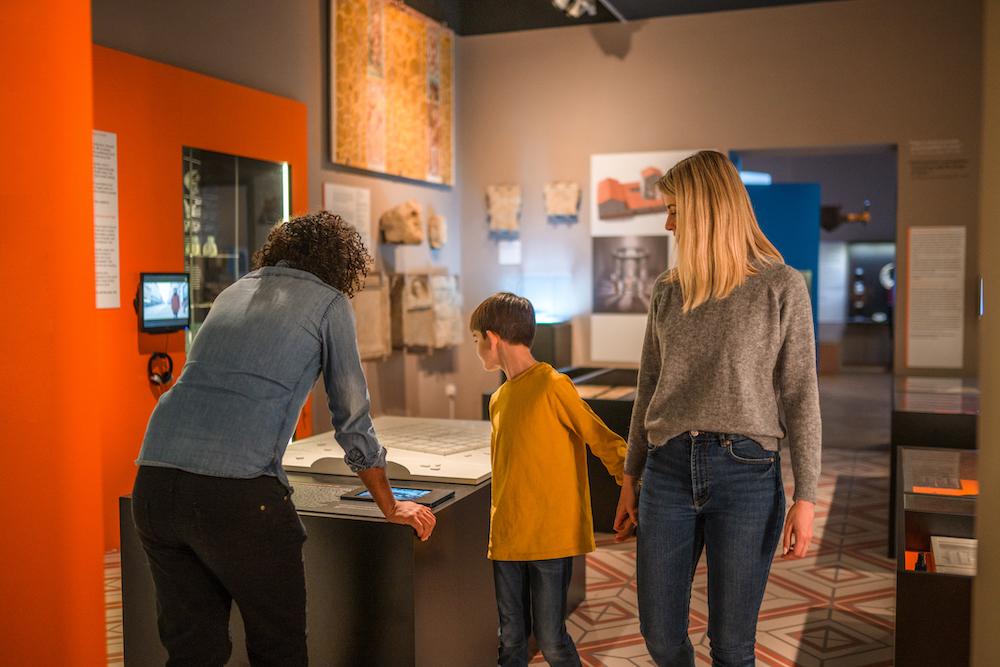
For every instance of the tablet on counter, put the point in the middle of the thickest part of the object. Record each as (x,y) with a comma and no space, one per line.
(427,497)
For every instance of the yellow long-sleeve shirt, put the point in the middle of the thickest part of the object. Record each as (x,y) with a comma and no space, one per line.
(541,495)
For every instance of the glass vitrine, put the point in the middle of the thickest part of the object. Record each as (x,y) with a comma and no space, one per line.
(230,205)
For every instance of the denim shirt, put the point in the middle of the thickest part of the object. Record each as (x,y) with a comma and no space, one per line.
(248,374)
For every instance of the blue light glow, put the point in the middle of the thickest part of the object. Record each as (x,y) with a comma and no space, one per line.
(755,178)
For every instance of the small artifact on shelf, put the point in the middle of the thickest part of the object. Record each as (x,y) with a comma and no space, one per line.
(210,248)
(954,555)
(402,224)
(437,231)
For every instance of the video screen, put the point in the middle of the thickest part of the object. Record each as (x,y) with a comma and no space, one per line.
(165,302)
(400,494)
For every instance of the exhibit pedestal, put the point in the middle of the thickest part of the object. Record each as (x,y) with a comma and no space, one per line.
(377,595)
(936,493)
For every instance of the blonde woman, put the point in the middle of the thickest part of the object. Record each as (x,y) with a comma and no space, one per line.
(729,344)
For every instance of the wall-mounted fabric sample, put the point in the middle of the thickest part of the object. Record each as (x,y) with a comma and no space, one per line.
(562,202)
(504,205)
(437,231)
(393,99)
(402,224)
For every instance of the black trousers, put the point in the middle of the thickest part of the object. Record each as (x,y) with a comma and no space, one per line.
(210,541)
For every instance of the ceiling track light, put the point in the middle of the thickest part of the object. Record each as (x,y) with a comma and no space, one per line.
(576,8)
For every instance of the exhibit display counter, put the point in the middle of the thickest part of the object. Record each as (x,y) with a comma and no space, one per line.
(936,500)
(377,595)
(929,412)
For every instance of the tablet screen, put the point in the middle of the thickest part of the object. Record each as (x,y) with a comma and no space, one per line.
(399,493)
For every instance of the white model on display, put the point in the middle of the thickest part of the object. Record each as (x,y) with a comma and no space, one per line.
(432,450)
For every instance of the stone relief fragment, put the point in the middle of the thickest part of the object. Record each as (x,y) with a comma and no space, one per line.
(412,305)
(371,310)
(562,202)
(449,325)
(402,224)
(504,205)
(426,310)
(437,231)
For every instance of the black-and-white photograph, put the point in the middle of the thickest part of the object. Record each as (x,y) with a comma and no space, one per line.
(625,269)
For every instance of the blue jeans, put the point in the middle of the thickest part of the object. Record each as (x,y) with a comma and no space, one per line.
(723,493)
(531,594)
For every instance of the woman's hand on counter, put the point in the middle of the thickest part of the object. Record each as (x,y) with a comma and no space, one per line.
(397,511)
(412,514)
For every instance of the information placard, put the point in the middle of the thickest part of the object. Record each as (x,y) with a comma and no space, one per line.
(106,263)
(935,312)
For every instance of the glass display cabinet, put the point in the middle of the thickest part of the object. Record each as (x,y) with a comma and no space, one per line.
(230,205)
(936,499)
(929,412)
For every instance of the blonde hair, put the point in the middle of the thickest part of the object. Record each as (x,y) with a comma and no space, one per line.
(719,242)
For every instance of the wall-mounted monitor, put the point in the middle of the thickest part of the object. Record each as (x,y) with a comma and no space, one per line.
(162,302)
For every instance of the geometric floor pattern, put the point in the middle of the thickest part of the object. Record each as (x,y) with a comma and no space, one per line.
(834,608)
(113,609)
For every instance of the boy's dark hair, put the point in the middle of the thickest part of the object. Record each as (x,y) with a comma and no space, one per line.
(322,244)
(509,316)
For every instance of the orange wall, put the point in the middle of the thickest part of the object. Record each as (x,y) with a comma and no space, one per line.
(156,109)
(51,580)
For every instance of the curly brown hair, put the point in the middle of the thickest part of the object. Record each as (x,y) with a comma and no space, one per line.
(322,244)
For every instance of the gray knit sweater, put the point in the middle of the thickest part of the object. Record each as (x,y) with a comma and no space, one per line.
(725,366)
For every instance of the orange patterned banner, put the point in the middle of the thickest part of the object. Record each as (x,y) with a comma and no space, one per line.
(392,90)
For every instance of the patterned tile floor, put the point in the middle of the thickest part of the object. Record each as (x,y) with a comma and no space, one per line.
(835,608)
(113,608)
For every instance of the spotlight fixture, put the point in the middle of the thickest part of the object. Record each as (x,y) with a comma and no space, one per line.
(576,8)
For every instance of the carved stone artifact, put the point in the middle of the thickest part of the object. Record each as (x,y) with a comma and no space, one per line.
(426,311)
(402,224)
(449,327)
(371,308)
(437,231)
(562,201)
(504,205)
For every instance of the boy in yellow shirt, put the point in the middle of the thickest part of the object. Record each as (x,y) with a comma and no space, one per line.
(540,511)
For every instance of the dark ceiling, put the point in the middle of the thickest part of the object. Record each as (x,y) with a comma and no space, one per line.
(481,17)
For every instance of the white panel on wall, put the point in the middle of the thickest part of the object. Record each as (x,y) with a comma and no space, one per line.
(833,269)
(616,338)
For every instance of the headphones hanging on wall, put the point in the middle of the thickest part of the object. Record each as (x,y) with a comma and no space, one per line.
(164,377)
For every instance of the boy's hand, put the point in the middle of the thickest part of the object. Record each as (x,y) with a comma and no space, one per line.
(627,515)
(412,514)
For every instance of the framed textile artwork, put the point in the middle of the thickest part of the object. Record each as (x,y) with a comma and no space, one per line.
(391,90)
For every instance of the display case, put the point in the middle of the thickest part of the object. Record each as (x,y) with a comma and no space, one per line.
(930,412)
(230,205)
(936,498)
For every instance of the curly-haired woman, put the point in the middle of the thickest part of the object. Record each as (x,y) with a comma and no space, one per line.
(211,502)
(729,338)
